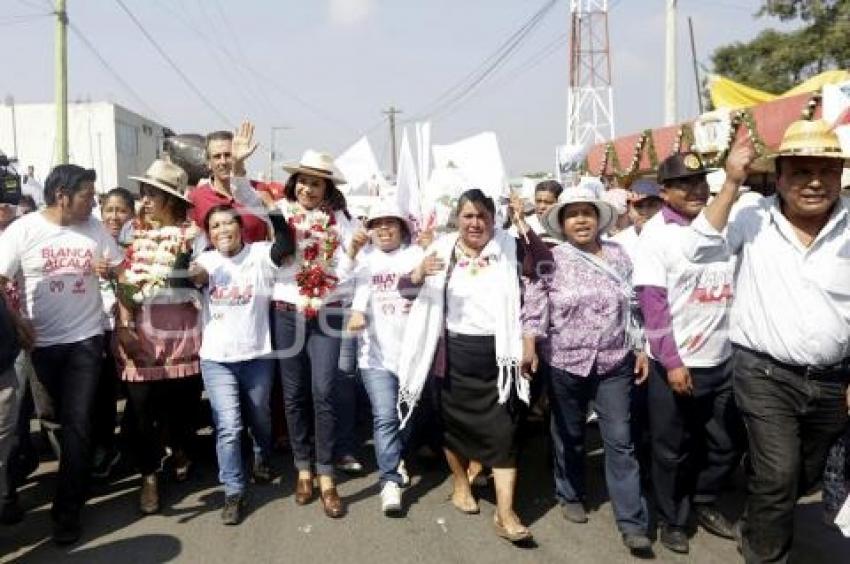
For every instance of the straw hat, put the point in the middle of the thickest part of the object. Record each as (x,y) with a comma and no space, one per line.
(804,138)
(577,195)
(166,176)
(317,164)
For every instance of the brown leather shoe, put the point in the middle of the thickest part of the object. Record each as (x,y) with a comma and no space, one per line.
(332,503)
(304,491)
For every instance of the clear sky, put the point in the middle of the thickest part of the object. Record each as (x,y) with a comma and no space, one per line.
(327,68)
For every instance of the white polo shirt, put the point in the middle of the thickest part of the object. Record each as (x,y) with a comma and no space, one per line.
(792,302)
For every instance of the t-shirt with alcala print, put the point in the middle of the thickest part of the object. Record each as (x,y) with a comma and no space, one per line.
(61,292)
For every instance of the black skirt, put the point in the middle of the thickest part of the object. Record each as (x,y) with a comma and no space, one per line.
(475,425)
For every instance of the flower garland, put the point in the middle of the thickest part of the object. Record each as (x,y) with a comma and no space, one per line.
(151,257)
(316,243)
(474,264)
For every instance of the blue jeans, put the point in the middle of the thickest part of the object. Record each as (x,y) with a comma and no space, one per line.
(382,387)
(612,396)
(309,371)
(230,387)
(346,398)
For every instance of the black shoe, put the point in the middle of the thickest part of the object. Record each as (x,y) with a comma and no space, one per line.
(573,511)
(261,473)
(637,543)
(674,539)
(66,531)
(712,520)
(232,512)
(11,513)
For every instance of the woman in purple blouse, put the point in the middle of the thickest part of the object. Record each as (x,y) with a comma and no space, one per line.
(579,313)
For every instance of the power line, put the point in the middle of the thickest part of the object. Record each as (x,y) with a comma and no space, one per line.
(174,65)
(466,85)
(130,90)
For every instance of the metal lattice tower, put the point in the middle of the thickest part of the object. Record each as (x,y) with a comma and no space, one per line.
(590,103)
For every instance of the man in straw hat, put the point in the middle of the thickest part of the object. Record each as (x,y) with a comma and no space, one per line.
(790,321)
(696,434)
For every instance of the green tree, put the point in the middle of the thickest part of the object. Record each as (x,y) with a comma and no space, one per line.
(776,61)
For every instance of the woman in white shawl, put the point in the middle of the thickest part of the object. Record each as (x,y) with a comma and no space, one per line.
(464,328)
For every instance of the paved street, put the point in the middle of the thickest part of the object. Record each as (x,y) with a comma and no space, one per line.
(276,530)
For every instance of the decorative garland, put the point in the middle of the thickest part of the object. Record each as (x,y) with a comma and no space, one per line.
(152,257)
(684,140)
(316,243)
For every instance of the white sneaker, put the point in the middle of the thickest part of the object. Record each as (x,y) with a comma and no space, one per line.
(405,477)
(390,498)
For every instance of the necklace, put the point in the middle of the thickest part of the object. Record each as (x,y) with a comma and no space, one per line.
(464,261)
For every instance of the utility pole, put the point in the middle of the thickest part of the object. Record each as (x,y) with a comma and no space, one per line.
(696,67)
(61,83)
(273,146)
(391,113)
(670,66)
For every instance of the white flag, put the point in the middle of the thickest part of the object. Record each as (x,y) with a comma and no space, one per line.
(407,182)
(360,168)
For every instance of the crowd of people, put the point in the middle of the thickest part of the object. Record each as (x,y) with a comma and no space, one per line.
(702,334)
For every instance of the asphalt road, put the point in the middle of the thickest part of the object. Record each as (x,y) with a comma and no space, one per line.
(276,530)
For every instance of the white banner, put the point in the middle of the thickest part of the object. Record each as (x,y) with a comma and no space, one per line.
(362,174)
(568,161)
(479,160)
(836,100)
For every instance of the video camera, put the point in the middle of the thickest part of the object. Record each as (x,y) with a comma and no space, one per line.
(10,182)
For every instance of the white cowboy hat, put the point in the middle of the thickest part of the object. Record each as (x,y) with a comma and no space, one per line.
(389,209)
(166,176)
(318,164)
(577,195)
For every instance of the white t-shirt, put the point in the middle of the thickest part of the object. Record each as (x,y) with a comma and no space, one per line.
(471,290)
(628,238)
(61,289)
(376,294)
(699,295)
(236,304)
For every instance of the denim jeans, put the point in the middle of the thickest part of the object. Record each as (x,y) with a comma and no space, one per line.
(237,391)
(697,440)
(382,387)
(66,377)
(612,396)
(308,361)
(791,422)
(346,398)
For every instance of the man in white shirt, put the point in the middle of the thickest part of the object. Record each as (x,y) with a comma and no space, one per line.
(60,252)
(644,201)
(790,321)
(696,433)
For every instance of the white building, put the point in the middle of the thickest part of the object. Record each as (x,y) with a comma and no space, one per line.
(104,136)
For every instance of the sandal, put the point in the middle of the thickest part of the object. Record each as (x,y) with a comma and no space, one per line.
(521,536)
(469,510)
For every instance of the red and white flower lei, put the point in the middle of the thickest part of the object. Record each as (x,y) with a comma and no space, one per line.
(316,241)
(150,257)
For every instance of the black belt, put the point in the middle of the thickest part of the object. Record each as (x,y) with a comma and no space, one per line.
(838,372)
